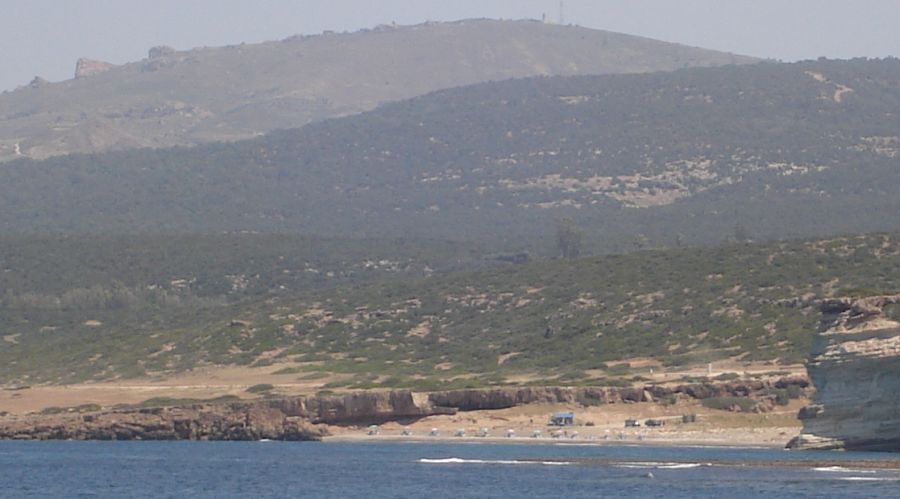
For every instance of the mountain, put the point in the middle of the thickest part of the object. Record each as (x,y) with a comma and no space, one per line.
(565,321)
(692,156)
(216,94)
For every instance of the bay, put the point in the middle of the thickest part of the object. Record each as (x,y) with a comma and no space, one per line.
(439,469)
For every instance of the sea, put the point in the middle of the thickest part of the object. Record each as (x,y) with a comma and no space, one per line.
(428,470)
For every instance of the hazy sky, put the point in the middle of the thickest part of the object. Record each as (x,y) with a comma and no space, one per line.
(45,37)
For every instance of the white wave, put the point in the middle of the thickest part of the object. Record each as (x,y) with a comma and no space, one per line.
(866,479)
(841,469)
(457,460)
(658,465)
(681,466)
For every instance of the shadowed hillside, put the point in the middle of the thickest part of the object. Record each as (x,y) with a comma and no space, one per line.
(693,156)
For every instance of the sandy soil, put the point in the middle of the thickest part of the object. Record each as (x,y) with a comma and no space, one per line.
(200,384)
(712,427)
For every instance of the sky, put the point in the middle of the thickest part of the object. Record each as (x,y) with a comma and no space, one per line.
(45,37)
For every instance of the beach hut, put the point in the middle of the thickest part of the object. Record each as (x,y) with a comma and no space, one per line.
(373,429)
(562,419)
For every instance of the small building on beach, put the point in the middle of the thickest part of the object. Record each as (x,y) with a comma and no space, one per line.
(562,419)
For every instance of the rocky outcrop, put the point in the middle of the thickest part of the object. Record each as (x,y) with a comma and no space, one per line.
(502,398)
(233,421)
(372,408)
(37,82)
(855,367)
(86,67)
(160,51)
(160,57)
(290,418)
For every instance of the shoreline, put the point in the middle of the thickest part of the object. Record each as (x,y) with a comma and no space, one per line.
(580,442)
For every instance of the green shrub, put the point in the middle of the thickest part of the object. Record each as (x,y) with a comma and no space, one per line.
(669,400)
(782,396)
(619,369)
(744,404)
(170,401)
(290,370)
(260,388)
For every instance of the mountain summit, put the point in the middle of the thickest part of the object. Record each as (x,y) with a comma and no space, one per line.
(229,93)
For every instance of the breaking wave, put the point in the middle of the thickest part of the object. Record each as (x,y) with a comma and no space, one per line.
(458,460)
(865,479)
(841,469)
(663,466)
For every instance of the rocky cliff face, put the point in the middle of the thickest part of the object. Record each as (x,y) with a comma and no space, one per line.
(238,421)
(372,407)
(294,418)
(855,367)
(501,398)
(86,67)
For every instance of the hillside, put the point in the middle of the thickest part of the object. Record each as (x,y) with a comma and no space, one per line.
(692,156)
(89,272)
(568,321)
(229,93)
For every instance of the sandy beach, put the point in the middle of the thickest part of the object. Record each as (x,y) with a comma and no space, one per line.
(597,425)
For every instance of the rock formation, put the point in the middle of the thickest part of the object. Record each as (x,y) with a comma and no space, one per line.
(291,418)
(501,398)
(372,408)
(855,367)
(234,421)
(37,82)
(160,51)
(87,67)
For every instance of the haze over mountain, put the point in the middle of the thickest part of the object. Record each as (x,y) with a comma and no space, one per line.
(693,156)
(398,233)
(215,94)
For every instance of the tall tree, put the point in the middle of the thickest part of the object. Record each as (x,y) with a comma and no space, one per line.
(569,238)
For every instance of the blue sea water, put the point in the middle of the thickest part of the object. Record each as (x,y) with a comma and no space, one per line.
(331,470)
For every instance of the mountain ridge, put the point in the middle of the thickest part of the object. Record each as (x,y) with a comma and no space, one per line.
(238,91)
(694,156)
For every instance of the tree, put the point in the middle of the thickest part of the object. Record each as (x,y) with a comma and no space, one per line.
(569,238)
